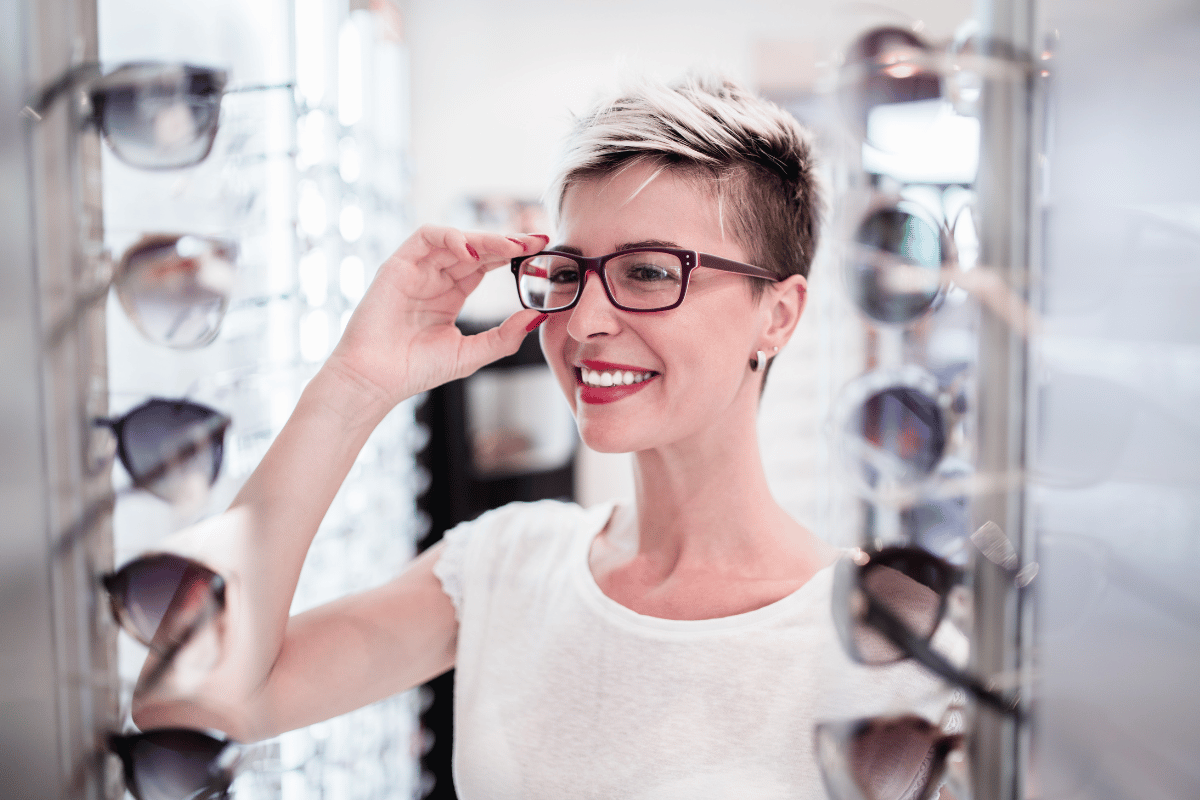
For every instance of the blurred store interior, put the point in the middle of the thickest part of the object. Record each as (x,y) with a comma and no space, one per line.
(1054,334)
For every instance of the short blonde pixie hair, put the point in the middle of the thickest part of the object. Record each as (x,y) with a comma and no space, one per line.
(753,155)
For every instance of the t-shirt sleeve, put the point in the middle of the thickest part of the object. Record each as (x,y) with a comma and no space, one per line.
(452,564)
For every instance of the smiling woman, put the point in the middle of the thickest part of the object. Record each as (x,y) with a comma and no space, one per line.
(677,644)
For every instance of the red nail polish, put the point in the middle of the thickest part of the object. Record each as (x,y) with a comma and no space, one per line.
(517,241)
(538,320)
(472,251)
(541,236)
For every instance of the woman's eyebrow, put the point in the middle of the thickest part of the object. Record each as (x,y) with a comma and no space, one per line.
(646,243)
(566,248)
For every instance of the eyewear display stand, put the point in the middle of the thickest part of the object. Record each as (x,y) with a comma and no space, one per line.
(1001,632)
(58,649)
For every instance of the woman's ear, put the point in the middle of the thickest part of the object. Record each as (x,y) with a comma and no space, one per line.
(785,303)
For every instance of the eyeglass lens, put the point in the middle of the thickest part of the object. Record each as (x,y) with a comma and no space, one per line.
(895,274)
(161,599)
(172,448)
(643,280)
(157,116)
(171,764)
(176,288)
(904,432)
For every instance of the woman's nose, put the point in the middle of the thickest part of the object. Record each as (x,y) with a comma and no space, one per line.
(593,315)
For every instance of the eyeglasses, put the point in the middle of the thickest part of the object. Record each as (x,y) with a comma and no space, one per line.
(177,763)
(153,115)
(175,288)
(884,758)
(639,279)
(887,605)
(171,448)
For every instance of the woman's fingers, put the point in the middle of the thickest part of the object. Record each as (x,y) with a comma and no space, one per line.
(503,340)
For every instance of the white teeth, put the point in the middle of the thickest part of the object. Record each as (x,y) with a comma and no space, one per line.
(616,378)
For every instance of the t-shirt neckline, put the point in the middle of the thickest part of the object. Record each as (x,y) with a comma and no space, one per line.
(610,609)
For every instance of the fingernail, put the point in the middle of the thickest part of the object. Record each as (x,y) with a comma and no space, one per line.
(517,241)
(471,250)
(542,236)
(538,320)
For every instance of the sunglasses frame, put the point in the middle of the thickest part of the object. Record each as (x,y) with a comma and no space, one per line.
(227,754)
(853,605)
(861,260)
(95,83)
(688,259)
(116,584)
(215,426)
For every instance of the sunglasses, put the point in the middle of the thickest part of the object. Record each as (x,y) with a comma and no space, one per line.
(170,448)
(153,115)
(177,763)
(162,599)
(893,73)
(884,758)
(887,605)
(895,273)
(896,427)
(175,289)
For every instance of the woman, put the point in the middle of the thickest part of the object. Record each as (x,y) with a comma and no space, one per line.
(676,646)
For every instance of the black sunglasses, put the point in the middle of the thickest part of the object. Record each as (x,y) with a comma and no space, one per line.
(884,758)
(639,279)
(170,448)
(177,763)
(163,598)
(887,605)
(154,115)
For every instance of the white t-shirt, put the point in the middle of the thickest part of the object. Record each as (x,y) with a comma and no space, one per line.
(561,692)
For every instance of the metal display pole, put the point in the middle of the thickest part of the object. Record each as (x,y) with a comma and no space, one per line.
(57,665)
(1004,191)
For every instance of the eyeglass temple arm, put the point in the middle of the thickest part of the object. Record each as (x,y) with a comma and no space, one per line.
(878,617)
(724,264)
(72,76)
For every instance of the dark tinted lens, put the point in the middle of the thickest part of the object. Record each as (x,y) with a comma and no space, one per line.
(172,448)
(895,273)
(160,116)
(174,764)
(899,758)
(176,288)
(903,433)
(162,599)
(548,282)
(909,584)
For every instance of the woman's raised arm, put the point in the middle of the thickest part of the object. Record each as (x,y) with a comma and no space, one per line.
(270,673)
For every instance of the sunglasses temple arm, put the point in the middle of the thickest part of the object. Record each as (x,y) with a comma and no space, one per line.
(914,646)
(71,321)
(261,87)
(38,104)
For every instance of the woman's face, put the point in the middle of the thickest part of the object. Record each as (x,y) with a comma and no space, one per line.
(694,358)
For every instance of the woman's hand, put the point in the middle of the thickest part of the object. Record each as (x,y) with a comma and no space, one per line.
(402,340)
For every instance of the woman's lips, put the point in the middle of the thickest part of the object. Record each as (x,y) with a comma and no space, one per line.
(626,380)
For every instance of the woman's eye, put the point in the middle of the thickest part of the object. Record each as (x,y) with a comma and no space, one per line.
(648,273)
(565,275)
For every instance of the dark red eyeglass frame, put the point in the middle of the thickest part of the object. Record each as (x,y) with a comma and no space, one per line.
(688,259)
